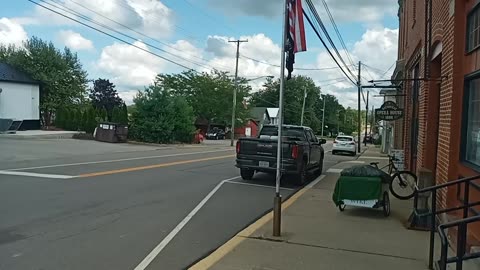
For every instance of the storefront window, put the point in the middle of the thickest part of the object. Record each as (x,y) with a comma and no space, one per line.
(472,144)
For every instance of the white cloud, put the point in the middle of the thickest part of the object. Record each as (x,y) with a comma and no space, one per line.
(128,95)
(129,66)
(259,47)
(133,69)
(75,41)
(11,32)
(342,10)
(151,17)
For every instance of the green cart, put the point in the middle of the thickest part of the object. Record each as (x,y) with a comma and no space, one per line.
(362,191)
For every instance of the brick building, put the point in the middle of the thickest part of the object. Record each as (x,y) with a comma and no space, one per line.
(438,69)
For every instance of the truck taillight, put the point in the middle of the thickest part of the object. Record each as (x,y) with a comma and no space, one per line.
(352,143)
(238,147)
(295,151)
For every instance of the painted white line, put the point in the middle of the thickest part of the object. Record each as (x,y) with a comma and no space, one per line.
(355,161)
(334,170)
(118,160)
(38,175)
(154,253)
(314,182)
(255,185)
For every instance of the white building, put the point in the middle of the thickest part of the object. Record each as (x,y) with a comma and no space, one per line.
(19,97)
(273,113)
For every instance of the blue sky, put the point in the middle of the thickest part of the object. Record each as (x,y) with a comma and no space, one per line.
(199,30)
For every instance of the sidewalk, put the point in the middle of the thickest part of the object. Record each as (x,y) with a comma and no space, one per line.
(316,235)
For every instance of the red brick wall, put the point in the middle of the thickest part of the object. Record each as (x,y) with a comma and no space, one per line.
(449,28)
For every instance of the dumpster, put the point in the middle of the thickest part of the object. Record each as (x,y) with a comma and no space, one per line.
(111,132)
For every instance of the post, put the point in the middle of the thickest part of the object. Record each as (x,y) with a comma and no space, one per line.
(234,105)
(303,107)
(366,119)
(323,114)
(372,122)
(277,202)
(359,85)
(338,123)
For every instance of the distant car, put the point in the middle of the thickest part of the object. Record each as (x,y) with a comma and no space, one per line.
(215,134)
(344,144)
(368,139)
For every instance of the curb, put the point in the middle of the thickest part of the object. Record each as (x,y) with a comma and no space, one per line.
(226,248)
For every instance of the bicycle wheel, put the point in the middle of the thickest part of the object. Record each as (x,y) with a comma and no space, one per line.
(403,185)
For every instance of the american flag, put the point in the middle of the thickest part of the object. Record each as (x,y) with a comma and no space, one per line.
(295,33)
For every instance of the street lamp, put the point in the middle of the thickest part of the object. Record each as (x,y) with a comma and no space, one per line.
(234,105)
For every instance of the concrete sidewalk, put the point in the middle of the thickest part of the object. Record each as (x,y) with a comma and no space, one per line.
(316,235)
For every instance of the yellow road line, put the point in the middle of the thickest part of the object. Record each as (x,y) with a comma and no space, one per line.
(133,169)
(222,251)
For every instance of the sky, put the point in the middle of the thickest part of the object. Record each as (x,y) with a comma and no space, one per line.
(195,34)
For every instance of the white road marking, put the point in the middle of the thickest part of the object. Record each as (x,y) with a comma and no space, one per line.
(314,182)
(334,170)
(154,253)
(39,175)
(355,161)
(255,185)
(118,160)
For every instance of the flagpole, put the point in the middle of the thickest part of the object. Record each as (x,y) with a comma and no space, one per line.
(277,203)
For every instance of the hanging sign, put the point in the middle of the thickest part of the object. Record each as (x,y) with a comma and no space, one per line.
(389,111)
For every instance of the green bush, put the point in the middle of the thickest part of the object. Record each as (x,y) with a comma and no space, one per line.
(60,118)
(161,118)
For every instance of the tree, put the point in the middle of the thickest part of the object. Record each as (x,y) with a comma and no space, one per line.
(60,72)
(90,120)
(104,96)
(209,94)
(293,96)
(124,114)
(161,117)
(60,118)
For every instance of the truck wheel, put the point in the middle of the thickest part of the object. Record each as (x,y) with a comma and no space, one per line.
(247,174)
(301,177)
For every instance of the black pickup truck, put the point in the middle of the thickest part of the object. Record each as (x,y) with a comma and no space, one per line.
(302,152)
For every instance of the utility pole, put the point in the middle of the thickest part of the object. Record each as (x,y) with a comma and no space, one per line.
(303,107)
(234,105)
(372,122)
(366,119)
(323,114)
(359,85)
(338,123)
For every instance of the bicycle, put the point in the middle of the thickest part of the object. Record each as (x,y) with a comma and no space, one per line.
(403,183)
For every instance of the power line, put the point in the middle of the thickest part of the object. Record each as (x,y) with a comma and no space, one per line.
(129,28)
(112,36)
(274,65)
(327,35)
(75,13)
(326,47)
(385,73)
(190,34)
(338,32)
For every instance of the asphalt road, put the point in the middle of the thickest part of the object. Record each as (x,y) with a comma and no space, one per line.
(110,208)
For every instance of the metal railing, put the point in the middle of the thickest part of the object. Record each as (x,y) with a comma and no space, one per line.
(466,206)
